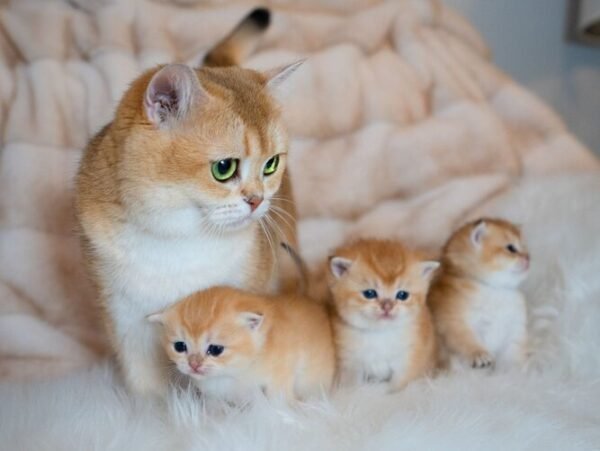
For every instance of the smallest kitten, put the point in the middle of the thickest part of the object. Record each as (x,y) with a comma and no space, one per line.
(233,343)
(478,310)
(383,328)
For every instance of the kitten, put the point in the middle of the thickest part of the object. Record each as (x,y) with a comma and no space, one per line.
(383,328)
(232,342)
(176,195)
(478,310)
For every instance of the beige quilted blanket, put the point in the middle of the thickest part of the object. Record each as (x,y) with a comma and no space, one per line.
(401,125)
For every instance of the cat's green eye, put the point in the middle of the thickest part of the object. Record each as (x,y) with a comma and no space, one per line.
(271,165)
(223,170)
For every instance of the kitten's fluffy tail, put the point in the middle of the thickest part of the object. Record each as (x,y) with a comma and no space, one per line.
(241,42)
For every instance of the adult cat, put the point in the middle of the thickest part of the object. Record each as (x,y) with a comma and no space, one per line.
(176,194)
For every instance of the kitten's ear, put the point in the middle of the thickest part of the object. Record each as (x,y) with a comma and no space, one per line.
(251,320)
(156,317)
(276,76)
(478,232)
(428,268)
(339,266)
(171,93)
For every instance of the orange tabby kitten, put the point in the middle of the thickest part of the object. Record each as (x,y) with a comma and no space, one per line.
(175,194)
(232,342)
(383,328)
(478,310)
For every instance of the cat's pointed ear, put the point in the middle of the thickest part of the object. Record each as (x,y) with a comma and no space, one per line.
(278,75)
(157,317)
(428,268)
(171,93)
(339,266)
(478,232)
(252,320)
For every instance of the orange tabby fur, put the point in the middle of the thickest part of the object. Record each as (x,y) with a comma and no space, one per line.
(157,225)
(479,312)
(398,346)
(281,344)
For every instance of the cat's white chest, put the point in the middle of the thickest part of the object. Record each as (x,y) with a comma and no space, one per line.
(375,355)
(147,273)
(497,317)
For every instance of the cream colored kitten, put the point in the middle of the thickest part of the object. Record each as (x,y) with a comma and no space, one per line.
(175,195)
(479,312)
(383,328)
(233,343)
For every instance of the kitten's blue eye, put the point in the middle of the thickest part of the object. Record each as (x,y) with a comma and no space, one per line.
(369,294)
(512,249)
(402,295)
(180,346)
(215,350)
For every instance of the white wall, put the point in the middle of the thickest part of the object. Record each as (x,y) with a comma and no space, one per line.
(527,39)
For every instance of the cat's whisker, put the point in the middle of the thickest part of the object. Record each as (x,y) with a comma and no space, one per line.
(268,236)
(275,228)
(279,231)
(283,219)
(285,215)
(283,199)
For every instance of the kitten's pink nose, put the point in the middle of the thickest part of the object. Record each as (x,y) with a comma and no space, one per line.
(195,362)
(254,201)
(387,306)
(526,261)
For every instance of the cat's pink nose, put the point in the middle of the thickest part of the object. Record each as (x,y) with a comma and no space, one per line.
(254,201)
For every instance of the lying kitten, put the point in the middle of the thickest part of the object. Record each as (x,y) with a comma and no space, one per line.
(185,189)
(383,328)
(478,310)
(231,342)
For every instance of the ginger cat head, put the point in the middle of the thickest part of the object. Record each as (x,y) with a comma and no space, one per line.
(199,149)
(215,332)
(489,250)
(375,283)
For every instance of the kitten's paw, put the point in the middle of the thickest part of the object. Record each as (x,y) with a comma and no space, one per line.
(482,360)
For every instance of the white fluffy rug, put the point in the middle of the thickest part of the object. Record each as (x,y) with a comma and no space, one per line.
(553,405)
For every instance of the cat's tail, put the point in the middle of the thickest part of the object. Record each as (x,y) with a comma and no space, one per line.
(241,42)
(300,265)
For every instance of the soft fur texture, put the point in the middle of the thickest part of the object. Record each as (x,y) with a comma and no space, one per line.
(424,134)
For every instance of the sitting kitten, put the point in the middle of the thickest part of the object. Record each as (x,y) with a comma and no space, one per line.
(383,328)
(478,310)
(231,342)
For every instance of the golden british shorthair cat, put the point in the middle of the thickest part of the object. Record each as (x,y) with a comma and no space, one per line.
(185,189)
(233,343)
(479,312)
(383,327)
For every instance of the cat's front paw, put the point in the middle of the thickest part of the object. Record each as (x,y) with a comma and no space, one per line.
(482,360)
